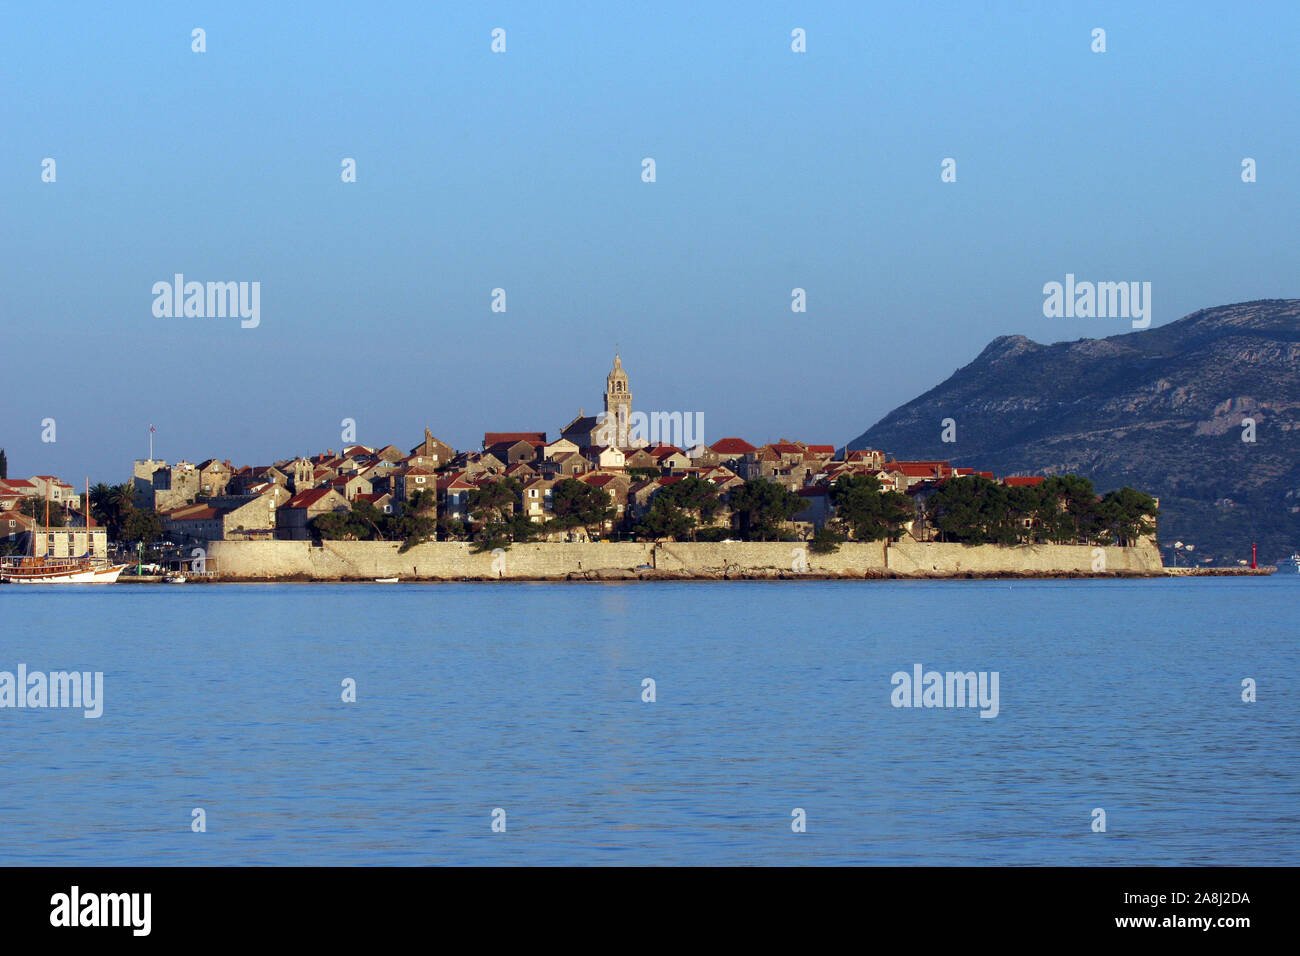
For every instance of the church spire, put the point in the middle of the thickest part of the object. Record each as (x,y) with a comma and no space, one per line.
(618,402)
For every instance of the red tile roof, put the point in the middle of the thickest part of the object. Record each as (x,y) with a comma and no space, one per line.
(731,446)
(197,512)
(305,499)
(1023,481)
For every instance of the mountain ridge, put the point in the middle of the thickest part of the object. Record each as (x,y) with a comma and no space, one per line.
(1159,409)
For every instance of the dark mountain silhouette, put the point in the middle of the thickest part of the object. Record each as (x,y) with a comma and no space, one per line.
(1161,410)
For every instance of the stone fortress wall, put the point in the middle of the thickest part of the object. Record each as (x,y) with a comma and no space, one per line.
(448,560)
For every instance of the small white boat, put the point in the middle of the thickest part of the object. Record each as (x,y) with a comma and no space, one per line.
(385,580)
(175,579)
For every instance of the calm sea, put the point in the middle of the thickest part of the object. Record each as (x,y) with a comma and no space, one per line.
(770,696)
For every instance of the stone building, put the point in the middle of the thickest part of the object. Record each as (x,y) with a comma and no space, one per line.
(162,487)
(293,519)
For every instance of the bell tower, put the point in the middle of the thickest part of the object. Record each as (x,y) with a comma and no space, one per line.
(618,402)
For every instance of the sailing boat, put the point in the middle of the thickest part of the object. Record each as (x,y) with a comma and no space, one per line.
(43,569)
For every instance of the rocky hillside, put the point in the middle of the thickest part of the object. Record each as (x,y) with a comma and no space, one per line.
(1161,410)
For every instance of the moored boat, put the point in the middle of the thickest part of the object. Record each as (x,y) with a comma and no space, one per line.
(34,568)
(42,570)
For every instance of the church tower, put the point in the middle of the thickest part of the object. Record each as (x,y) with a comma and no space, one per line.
(618,402)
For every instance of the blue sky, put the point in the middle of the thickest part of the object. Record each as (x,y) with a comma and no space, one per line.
(522,170)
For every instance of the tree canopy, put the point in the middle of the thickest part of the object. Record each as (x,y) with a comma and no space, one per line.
(761,507)
(866,512)
(576,504)
(1063,509)
(680,509)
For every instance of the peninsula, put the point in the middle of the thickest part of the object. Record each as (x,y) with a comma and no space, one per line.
(615,496)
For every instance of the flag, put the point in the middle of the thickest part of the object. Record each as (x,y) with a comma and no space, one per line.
(152,429)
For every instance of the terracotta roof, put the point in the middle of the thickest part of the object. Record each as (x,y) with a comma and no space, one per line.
(197,512)
(1023,481)
(305,499)
(455,480)
(914,469)
(731,446)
